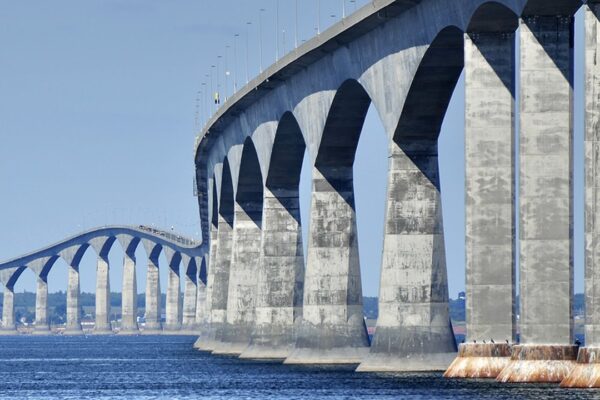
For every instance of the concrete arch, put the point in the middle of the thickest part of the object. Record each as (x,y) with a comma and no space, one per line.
(493,16)
(287,155)
(432,88)
(249,193)
(343,126)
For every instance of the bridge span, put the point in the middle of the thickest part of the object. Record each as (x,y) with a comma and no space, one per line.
(177,249)
(266,299)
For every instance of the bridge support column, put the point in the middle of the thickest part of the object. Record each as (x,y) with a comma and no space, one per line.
(173,306)
(153,296)
(280,277)
(490,265)
(207,333)
(189,299)
(587,372)
(201,298)
(102,297)
(42,325)
(129,295)
(546,203)
(217,283)
(73,326)
(413,331)
(242,280)
(332,329)
(8,312)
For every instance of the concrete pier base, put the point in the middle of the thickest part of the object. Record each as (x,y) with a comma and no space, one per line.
(539,364)
(41,330)
(339,355)
(229,349)
(485,360)
(586,373)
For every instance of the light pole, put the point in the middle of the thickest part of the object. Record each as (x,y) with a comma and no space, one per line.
(218,80)
(227,47)
(247,51)
(318,17)
(204,108)
(260,38)
(296,25)
(235,37)
(343,9)
(276,30)
(212,90)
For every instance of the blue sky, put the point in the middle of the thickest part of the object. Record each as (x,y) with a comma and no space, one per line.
(97,121)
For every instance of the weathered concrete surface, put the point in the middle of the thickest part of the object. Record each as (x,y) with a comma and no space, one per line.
(280,278)
(587,372)
(479,360)
(539,364)
(546,202)
(242,283)
(332,329)
(207,331)
(42,325)
(102,297)
(413,332)
(153,297)
(8,311)
(188,319)
(490,191)
(489,143)
(129,295)
(173,305)
(201,297)
(73,326)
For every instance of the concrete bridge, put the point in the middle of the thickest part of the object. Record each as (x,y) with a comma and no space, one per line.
(178,251)
(266,299)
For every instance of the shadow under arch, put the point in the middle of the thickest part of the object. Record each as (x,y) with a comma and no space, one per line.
(249,194)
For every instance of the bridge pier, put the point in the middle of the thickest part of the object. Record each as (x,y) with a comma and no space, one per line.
(129,325)
(173,305)
(490,230)
(73,326)
(201,298)
(332,329)
(280,277)
(546,353)
(8,311)
(413,331)
(586,373)
(242,282)
(189,295)
(42,325)
(102,325)
(153,296)
(205,341)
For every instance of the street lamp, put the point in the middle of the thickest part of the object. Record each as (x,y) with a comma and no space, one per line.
(235,37)
(260,38)
(248,51)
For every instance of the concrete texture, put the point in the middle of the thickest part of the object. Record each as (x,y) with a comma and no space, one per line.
(332,329)
(8,310)
(41,306)
(129,323)
(413,331)
(102,297)
(188,318)
(546,203)
(173,305)
(539,364)
(586,373)
(153,297)
(490,187)
(546,181)
(479,360)
(73,326)
(201,297)
(207,331)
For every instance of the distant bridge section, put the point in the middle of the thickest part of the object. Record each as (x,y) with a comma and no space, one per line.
(178,250)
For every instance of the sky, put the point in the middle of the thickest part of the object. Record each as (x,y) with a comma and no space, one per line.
(99,113)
